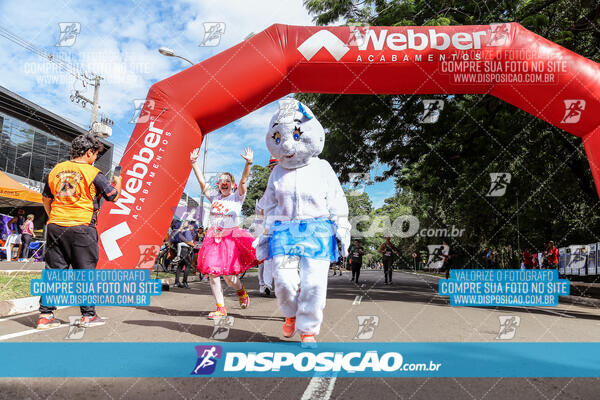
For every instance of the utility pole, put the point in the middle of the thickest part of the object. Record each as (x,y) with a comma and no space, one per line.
(95,102)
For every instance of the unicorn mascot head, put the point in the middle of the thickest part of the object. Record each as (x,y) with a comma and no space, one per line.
(294,136)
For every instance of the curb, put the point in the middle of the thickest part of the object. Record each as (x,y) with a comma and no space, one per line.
(171,281)
(19,306)
(26,305)
(582,301)
(10,272)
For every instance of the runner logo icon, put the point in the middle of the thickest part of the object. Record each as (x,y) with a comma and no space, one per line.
(207,359)
(573,111)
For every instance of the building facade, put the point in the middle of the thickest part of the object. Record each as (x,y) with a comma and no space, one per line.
(33,140)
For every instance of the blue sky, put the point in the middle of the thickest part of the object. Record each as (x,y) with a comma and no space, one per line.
(119,40)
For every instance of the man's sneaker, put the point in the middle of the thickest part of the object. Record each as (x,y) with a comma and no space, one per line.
(267,292)
(243,297)
(289,327)
(220,313)
(308,341)
(87,321)
(47,321)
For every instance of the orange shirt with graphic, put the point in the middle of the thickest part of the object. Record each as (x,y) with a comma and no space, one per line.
(75,189)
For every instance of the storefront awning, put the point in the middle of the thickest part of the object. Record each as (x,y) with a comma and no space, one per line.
(13,194)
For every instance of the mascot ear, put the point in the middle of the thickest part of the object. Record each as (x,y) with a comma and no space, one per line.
(303,111)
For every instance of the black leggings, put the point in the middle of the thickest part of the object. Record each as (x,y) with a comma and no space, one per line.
(356,270)
(387,269)
(25,239)
(185,264)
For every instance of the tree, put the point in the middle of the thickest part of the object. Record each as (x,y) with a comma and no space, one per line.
(259,177)
(445,166)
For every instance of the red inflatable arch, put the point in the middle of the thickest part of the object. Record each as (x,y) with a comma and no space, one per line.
(503,60)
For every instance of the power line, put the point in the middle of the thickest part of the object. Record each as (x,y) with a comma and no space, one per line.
(84,77)
(77,73)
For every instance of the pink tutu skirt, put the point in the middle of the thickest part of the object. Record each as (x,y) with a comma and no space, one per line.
(226,252)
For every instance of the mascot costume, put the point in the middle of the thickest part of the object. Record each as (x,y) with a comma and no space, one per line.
(305,210)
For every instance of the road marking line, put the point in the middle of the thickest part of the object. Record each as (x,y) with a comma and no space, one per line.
(28,332)
(17,316)
(357,300)
(319,388)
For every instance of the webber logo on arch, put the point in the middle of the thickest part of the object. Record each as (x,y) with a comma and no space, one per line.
(386,39)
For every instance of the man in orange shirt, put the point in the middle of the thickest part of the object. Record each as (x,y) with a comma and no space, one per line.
(71,198)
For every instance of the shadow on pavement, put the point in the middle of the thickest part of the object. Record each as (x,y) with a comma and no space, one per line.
(205,331)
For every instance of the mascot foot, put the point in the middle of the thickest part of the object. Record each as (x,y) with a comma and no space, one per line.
(289,327)
(308,341)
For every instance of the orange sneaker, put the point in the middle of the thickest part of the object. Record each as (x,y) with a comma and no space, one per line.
(308,341)
(47,321)
(289,327)
(220,313)
(243,297)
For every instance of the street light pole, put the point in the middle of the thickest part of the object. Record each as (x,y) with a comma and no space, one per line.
(165,51)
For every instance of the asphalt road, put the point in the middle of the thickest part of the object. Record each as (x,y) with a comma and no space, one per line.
(408,311)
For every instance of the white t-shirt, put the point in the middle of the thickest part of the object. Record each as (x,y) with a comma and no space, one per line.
(225,212)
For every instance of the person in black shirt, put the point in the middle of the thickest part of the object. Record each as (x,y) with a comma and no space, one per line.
(356,253)
(386,249)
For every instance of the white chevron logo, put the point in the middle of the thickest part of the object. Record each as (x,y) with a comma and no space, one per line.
(109,240)
(336,47)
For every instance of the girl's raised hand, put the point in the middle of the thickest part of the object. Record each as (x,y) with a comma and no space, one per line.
(194,155)
(248,155)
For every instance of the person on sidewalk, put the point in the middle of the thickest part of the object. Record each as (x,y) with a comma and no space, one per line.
(27,236)
(15,225)
(71,198)
(552,256)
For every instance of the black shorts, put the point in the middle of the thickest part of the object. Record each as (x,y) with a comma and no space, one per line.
(75,246)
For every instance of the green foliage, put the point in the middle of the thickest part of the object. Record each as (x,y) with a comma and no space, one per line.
(259,177)
(442,170)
